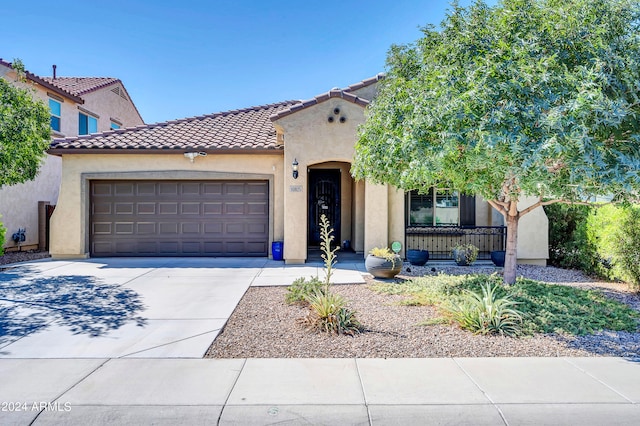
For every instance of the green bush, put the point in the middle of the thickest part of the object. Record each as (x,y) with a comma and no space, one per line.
(301,290)
(3,230)
(569,246)
(614,231)
(486,312)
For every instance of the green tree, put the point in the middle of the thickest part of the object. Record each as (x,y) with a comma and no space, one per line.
(24,131)
(527,98)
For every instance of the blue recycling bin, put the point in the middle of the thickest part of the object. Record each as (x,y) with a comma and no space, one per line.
(277,248)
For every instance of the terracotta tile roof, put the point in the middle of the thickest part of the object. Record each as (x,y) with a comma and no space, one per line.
(81,85)
(43,82)
(333,93)
(244,129)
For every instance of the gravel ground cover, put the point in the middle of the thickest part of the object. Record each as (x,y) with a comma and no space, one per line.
(22,256)
(263,326)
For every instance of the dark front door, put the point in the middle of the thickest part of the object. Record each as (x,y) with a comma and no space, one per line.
(324,198)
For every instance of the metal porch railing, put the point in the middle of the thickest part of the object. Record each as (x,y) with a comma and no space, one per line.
(439,240)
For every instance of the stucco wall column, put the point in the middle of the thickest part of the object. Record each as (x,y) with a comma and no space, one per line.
(533,234)
(396,217)
(376,216)
(295,210)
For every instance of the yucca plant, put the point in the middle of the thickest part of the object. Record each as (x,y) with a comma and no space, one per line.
(328,253)
(486,313)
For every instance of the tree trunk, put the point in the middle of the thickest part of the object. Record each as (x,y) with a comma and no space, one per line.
(511,259)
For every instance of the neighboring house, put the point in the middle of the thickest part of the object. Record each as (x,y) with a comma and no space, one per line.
(78,105)
(230,184)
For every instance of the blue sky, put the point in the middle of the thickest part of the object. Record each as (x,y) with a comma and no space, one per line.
(182,58)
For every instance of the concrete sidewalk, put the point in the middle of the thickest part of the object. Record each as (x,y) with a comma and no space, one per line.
(475,391)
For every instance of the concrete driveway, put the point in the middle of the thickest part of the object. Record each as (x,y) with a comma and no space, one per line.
(130,307)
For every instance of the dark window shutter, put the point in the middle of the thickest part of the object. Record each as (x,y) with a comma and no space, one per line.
(467,210)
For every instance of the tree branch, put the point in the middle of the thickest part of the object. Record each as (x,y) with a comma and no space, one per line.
(499,206)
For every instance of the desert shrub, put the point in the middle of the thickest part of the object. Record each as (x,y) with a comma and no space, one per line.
(569,246)
(302,289)
(552,308)
(329,314)
(3,230)
(485,312)
(614,231)
(544,308)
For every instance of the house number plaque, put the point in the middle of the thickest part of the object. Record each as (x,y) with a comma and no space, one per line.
(295,188)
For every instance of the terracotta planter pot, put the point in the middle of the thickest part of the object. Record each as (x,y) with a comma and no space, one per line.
(380,267)
(418,257)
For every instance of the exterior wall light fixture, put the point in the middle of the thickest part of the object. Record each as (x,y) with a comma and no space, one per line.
(294,167)
(192,155)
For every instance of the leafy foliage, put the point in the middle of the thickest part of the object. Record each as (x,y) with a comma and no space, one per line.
(615,233)
(386,253)
(329,314)
(569,246)
(465,254)
(486,313)
(530,97)
(24,132)
(301,290)
(3,231)
(545,308)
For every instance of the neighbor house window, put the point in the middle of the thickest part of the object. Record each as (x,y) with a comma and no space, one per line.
(440,207)
(114,125)
(87,124)
(56,110)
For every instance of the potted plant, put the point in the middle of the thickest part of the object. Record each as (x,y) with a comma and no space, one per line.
(417,257)
(464,254)
(383,263)
(497,257)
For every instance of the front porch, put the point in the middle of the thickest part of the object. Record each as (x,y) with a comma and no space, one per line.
(439,240)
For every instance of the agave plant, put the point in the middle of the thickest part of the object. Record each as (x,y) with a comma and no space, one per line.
(329,314)
(486,313)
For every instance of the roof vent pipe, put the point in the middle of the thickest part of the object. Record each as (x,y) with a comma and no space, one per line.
(54,71)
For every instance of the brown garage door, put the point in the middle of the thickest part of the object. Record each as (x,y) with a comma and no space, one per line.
(179,218)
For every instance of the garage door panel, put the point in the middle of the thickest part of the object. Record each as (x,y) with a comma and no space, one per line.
(101,189)
(168,228)
(212,208)
(170,188)
(257,208)
(123,228)
(190,188)
(146,189)
(101,228)
(123,189)
(234,208)
(124,208)
(190,228)
(101,208)
(179,218)
(143,228)
(146,208)
(213,228)
(190,208)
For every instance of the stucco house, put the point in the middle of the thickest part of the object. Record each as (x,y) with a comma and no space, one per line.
(78,105)
(231,183)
